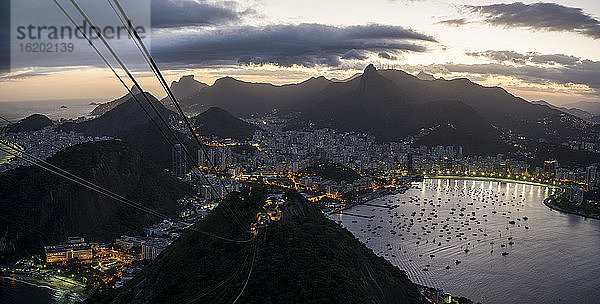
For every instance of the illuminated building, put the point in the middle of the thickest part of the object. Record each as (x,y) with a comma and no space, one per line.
(152,247)
(75,248)
(179,165)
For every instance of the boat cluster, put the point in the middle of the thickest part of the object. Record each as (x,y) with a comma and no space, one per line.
(455,220)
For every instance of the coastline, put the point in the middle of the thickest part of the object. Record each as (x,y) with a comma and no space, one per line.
(486,178)
(55,285)
(549,203)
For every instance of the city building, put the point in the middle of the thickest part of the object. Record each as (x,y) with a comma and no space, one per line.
(128,242)
(152,247)
(179,166)
(74,248)
(591,176)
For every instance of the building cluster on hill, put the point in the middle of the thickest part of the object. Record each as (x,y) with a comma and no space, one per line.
(42,144)
(274,153)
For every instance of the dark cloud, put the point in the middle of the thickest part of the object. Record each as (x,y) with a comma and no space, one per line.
(539,16)
(530,57)
(182,13)
(354,54)
(537,68)
(454,22)
(285,45)
(384,55)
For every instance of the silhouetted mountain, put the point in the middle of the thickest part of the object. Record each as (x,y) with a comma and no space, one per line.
(392,104)
(244,98)
(304,258)
(374,104)
(43,208)
(424,76)
(588,106)
(218,122)
(148,139)
(107,106)
(128,122)
(493,104)
(31,123)
(183,88)
(121,118)
(346,79)
(564,155)
(573,111)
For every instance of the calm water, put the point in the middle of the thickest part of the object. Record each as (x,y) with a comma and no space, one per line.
(554,257)
(16,292)
(14,111)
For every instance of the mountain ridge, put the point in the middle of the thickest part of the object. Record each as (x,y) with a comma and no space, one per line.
(46,209)
(314,251)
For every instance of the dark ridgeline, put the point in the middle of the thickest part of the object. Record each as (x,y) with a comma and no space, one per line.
(33,122)
(304,258)
(391,104)
(218,122)
(588,106)
(121,118)
(587,116)
(44,208)
(374,104)
(107,106)
(182,88)
(245,98)
(128,122)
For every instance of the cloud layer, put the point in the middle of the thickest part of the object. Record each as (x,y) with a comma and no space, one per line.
(182,13)
(539,16)
(285,45)
(535,68)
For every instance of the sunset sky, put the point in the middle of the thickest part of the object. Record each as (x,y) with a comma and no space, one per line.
(534,50)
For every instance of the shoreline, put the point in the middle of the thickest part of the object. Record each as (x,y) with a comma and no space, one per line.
(548,202)
(78,292)
(485,178)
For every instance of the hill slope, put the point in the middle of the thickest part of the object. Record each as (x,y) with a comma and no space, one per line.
(128,122)
(44,209)
(107,106)
(495,105)
(588,106)
(120,119)
(379,102)
(573,111)
(30,123)
(244,98)
(218,122)
(304,258)
(375,104)
(183,88)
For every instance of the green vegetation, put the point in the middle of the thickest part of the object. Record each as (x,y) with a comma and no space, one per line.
(333,172)
(304,258)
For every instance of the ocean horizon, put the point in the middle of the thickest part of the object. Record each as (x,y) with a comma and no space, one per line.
(73,108)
